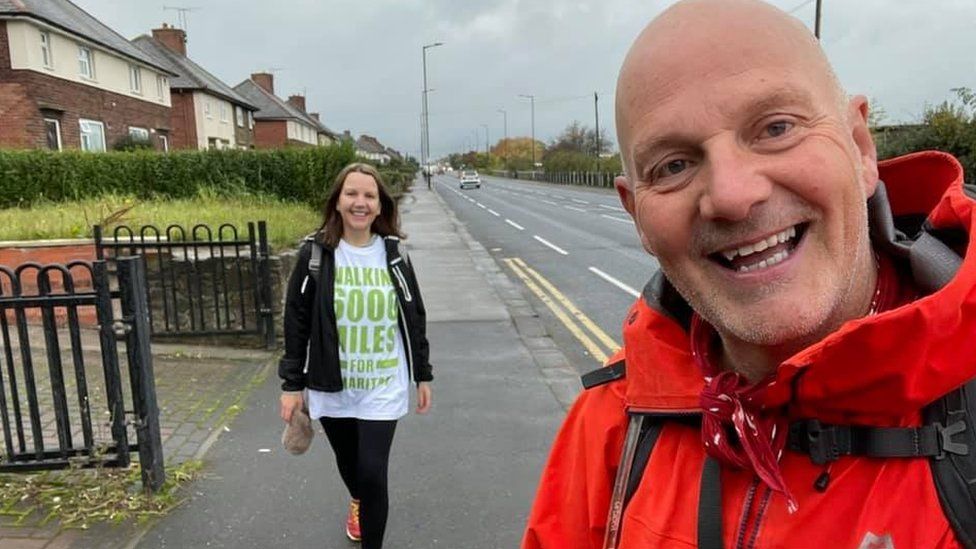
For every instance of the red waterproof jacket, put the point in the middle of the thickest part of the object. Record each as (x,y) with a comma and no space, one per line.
(877,371)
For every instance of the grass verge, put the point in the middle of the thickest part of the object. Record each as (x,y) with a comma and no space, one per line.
(78,498)
(287,221)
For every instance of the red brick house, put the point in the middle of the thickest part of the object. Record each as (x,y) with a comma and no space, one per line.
(206,113)
(279,123)
(67,81)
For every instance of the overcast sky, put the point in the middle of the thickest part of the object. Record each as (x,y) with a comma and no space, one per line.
(359,61)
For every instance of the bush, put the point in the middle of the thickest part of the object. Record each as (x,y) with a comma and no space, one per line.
(295,174)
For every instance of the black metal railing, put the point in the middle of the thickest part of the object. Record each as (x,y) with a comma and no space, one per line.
(55,412)
(199,283)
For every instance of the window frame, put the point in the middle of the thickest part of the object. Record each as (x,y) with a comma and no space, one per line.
(160,87)
(224,115)
(86,61)
(138,132)
(250,120)
(57,124)
(82,122)
(135,79)
(239,114)
(47,53)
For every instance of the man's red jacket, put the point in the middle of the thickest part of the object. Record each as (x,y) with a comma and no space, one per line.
(878,371)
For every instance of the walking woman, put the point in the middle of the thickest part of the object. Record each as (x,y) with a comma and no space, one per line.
(355,332)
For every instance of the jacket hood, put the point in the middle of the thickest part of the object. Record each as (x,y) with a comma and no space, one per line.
(877,370)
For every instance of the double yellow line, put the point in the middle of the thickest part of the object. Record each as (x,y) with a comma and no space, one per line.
(578,324)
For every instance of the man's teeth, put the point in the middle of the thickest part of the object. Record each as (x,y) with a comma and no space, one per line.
(769,262)
(750,249)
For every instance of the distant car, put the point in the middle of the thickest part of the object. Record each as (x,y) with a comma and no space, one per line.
(470,178)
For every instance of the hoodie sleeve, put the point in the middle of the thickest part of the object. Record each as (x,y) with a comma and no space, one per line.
(423,371)
(299,300)
(571,503)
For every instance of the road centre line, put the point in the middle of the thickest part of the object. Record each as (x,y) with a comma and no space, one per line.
(493,212)
(482,206)
(550,244)
(514,224)
(574,208)
(614,281)
(622,220)
(520,268)
(578,201)
(614,208)
(550,202)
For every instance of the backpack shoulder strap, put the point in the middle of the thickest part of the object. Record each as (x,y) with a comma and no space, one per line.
(315,262)
(955,473)
(606,374)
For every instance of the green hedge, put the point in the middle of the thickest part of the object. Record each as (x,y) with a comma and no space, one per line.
(299,174)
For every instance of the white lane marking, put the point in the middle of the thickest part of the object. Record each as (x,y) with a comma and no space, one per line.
(615,218)
(493,212)
(482,206)
(550,244)
(550,202)
(514,224)
(614,281)
(614,208)
(578,201)
(575,208)
(471,200)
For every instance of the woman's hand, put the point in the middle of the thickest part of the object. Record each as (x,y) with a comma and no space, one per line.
(423,397)
(289,403)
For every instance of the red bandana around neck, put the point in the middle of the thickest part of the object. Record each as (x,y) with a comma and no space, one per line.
(735,431)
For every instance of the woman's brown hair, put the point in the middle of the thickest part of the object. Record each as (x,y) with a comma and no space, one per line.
(387,223)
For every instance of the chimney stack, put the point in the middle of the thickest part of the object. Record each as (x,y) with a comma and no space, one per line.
(315,115)
(173,38)
(264,80)
(297,101)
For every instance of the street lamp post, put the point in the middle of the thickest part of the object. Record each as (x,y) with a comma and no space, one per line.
(816,28)
(505,141)
(531,99)
(487,150)
(425,142)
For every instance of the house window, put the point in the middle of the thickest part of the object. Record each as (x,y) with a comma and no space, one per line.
(160,86)
(206,108)
(164,143)
(223,112)
(135,79)
(92,135)
(250,120)
(52,128)
(142,134)
(239,112)
(86,63)
(46,50)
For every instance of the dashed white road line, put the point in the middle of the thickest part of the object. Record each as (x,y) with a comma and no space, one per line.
(578,201)
(514,224)
(575,208)
(482,206)
(614,208)
(550,202)
(493,212)
(614,281)
(550,244)
(615,218)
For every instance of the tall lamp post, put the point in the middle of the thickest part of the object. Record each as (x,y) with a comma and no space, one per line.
(487,150)
(816,28)
(531,99)
(505,142)
(425,144)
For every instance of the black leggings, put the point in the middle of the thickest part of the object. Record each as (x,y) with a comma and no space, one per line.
(362,449)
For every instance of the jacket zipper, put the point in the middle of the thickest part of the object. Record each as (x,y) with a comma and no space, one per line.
(403,282)
(746,509)
(403,316)
(760,514)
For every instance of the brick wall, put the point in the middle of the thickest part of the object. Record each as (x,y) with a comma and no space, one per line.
(23,95)
(270,134)
(183,120)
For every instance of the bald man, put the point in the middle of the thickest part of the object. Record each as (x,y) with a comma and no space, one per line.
(776,384)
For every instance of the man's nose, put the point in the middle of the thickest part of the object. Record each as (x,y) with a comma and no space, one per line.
(735,182)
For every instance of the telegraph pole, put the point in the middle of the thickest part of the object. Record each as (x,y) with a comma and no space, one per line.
(816,26)
(596,114)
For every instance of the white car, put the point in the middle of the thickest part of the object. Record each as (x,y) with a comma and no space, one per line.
(470,178)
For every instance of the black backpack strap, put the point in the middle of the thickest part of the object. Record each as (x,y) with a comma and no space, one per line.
(606,374)
(824,442)
(315,262)
(710,505)
(650,429)
(955,473)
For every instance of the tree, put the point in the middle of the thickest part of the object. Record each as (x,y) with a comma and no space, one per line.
(515,153)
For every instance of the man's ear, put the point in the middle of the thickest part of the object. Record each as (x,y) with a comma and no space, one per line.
(861,134)
(625,193)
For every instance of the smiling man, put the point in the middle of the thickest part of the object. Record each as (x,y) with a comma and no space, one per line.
(786,374)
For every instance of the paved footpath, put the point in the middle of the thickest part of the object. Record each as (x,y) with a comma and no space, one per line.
(462,476)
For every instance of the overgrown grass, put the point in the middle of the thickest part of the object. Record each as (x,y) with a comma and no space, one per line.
(80,498)
(287,221)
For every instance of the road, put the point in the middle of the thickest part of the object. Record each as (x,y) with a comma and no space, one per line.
(574,250)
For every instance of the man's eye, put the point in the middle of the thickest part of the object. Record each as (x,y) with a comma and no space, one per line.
(778,128)
(671,167)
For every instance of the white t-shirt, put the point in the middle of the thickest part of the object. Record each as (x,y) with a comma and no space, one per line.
(374,368)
